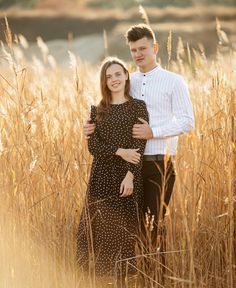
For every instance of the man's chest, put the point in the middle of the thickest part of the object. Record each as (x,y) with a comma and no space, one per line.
(156,96)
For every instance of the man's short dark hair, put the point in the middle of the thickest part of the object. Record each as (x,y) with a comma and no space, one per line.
(137,32)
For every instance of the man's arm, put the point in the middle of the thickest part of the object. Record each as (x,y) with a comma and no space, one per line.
(88,129)
(182,122)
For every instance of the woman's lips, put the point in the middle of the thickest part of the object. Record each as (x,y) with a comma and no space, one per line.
(115,85)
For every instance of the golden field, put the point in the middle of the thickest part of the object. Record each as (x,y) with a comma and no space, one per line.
(44,168)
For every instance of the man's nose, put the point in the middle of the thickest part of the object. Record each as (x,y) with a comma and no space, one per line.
(138,53)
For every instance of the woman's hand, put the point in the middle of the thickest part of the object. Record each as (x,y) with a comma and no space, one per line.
(127,186)
(129,155)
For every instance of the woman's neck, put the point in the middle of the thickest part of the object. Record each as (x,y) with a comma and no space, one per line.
(118,98)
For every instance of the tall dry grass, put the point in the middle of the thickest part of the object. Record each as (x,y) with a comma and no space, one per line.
(44,166)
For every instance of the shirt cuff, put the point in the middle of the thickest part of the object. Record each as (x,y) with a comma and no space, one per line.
(157,132)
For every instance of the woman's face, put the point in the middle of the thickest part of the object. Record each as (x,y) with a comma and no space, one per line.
(116,78)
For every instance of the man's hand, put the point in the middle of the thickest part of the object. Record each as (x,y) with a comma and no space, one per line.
(88,129)
(142,131)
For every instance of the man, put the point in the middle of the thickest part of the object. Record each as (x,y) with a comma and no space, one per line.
(170,114)
(170,111)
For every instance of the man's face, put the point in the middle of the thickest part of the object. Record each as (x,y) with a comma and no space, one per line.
(143,52)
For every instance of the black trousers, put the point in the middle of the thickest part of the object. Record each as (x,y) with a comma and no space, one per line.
(159,178)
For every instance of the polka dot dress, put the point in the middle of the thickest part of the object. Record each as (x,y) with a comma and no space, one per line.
(108,224)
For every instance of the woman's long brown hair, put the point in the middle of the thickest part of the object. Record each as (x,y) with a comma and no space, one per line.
(104,105)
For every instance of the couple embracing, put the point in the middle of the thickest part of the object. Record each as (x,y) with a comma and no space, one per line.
(132,135)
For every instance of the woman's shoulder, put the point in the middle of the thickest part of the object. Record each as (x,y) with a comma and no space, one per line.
(93,112)
(140,109)
(138,102)
(93,108)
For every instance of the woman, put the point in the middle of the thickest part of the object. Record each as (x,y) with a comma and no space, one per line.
(109,220)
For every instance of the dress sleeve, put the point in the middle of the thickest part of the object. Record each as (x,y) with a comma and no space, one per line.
(140,112)
(96,145)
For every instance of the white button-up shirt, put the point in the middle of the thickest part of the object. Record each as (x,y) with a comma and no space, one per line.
(170,110)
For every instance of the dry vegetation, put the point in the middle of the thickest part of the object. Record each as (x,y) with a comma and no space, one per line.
(44,167)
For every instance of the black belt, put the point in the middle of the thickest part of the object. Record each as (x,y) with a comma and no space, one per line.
(158,157)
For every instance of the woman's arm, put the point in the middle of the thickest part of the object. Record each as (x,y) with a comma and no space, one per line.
(141,112)
(126,187)
(96,146)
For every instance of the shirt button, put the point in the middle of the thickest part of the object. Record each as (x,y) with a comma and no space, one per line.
(142,94)
(143,83)
(144,75)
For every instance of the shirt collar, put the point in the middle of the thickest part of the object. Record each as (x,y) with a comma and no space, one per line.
(154,70)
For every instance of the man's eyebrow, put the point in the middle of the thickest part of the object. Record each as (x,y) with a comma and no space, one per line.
(135,48)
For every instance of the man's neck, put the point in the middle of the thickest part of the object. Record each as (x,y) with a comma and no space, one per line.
(148,68)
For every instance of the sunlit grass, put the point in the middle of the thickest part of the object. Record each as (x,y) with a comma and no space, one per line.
(45,164)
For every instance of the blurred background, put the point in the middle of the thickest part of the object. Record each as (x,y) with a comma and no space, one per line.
(94,28)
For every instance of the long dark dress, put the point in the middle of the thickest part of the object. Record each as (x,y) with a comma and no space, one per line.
(108,224)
